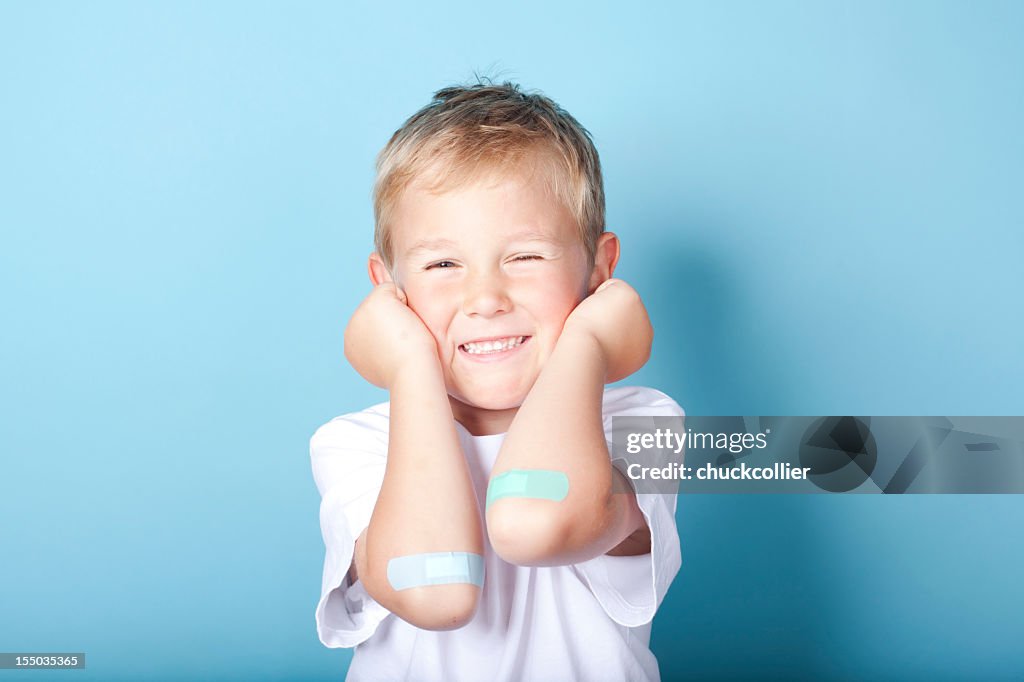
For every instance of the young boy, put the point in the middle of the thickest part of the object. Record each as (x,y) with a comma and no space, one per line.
(475,526)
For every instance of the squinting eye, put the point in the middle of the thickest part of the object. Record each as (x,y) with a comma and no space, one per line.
(443,264)
(531,256)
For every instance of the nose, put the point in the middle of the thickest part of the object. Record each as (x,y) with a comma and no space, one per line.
(486,295)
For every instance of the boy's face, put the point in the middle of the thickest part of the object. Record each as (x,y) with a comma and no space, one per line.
(493,269)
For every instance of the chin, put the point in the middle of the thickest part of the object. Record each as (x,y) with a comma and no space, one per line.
(491,399)
(494,403)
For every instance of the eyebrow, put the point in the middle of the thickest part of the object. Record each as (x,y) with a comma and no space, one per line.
(441,244)
(430,245)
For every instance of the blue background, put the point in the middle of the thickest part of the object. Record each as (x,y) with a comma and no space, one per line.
(819,201)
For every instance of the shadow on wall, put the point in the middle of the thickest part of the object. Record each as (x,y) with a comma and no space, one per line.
(752,599)
(712,351)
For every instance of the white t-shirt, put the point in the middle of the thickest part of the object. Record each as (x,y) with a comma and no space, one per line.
(588,621)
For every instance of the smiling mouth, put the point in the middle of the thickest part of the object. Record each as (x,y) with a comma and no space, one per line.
(494,346)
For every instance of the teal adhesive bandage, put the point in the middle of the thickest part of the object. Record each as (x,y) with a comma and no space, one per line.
(436,568)
(538,484)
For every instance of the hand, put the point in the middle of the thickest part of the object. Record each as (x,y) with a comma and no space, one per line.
(384,334)
(615,317)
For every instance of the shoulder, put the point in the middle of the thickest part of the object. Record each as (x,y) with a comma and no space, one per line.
(370,424)
(350,448)
(638,400)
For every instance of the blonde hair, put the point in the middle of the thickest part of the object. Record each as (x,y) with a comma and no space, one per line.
(485,128)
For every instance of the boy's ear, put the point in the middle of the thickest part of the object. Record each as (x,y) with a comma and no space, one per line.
(606,257)
(378,271)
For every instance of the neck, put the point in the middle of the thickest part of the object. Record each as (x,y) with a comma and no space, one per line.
(481,422)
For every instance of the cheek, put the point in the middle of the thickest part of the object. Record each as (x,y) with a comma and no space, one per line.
(557,310)
(554,301)
(432,308)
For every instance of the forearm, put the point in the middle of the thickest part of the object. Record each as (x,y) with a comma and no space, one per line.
(426,503)
(559,428)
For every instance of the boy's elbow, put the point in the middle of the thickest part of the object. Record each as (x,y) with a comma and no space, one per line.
(438,607)
(527,532)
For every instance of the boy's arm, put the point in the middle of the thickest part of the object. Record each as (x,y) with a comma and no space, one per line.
(559,428)
(426,502)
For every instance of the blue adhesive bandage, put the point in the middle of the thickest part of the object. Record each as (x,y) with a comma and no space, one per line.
(533,483)
(436,568)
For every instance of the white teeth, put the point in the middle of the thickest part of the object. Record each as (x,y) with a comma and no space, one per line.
(493,346)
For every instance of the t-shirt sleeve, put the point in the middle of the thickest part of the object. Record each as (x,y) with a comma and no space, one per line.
(348,456)
(630,588)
